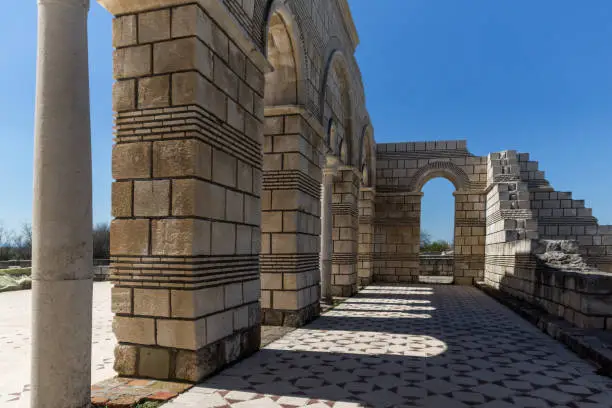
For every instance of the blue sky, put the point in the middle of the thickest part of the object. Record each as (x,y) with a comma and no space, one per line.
(535,76)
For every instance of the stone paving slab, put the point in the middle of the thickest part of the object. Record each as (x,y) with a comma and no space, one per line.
(15,350)
(409,346)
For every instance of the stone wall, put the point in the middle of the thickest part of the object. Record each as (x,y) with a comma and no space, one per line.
(523,213)
(402,171)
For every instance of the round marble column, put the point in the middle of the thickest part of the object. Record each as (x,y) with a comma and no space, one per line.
(62,220)
(326,229)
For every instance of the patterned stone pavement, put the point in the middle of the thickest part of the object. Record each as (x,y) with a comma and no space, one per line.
(409,346)
(15,333)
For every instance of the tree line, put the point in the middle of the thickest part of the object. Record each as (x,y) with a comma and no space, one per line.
(17,244)
(428,244)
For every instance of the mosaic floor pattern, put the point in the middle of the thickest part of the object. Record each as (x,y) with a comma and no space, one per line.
(409,346)
(15,348)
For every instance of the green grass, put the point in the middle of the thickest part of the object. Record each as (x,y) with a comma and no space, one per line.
(16,271)
(148,404)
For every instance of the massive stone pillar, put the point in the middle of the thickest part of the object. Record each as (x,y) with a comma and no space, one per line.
(366,236)
(187,162)
(345,232)
(62,247)
(327,223)
(290,217)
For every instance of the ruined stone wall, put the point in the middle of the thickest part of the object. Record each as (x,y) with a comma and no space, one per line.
(561,217)
(523,213)
(402,170)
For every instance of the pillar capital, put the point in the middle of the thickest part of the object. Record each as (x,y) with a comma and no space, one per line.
(83,3)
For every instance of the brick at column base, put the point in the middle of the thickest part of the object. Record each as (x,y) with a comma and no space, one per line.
(291,318)
(463,280)
(364,281)
(162,363)
(344,290)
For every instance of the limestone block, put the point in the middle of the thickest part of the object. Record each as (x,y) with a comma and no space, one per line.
(193,88)
(152,198)
(224,168)
(244,240)
(191,197)
(272,221)
(124,95)
(154,92)
(175,158)
(234,206)
(132,62)
(251,290)
(154,362)
(223,238)
(129,237)
(154,26)
(134,329)
(219,325)
(121,199)
(225,78)
(233,295)
(235,115)
(271,280)
(181,55)
(126,357)
(125,31)
(285,300)
(181,237)
(183,334)
(191,20)
(241,318)
(197,303)
(121,300)
(152,302)
(131,160)
(244,177)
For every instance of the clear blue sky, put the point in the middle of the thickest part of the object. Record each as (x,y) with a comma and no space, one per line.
(535,76)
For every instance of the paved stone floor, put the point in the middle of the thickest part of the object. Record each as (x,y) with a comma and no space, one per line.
(15,332)
(417,346)
(390,346)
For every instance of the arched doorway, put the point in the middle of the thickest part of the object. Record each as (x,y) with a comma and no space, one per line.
(437,231)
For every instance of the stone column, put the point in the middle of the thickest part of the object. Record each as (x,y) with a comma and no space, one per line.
(345,232)
(366,236)
(187,162)
(62,221)
(291,206)
(327,243)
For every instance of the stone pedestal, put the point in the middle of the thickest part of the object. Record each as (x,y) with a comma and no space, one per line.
(365,257)
(345,232)
(291,218)
(187,162)
(62,221)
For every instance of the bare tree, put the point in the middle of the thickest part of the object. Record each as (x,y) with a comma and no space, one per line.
(101,241)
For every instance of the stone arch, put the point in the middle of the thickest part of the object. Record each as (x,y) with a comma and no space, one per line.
(448,170)
(284,49)
(336,70)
